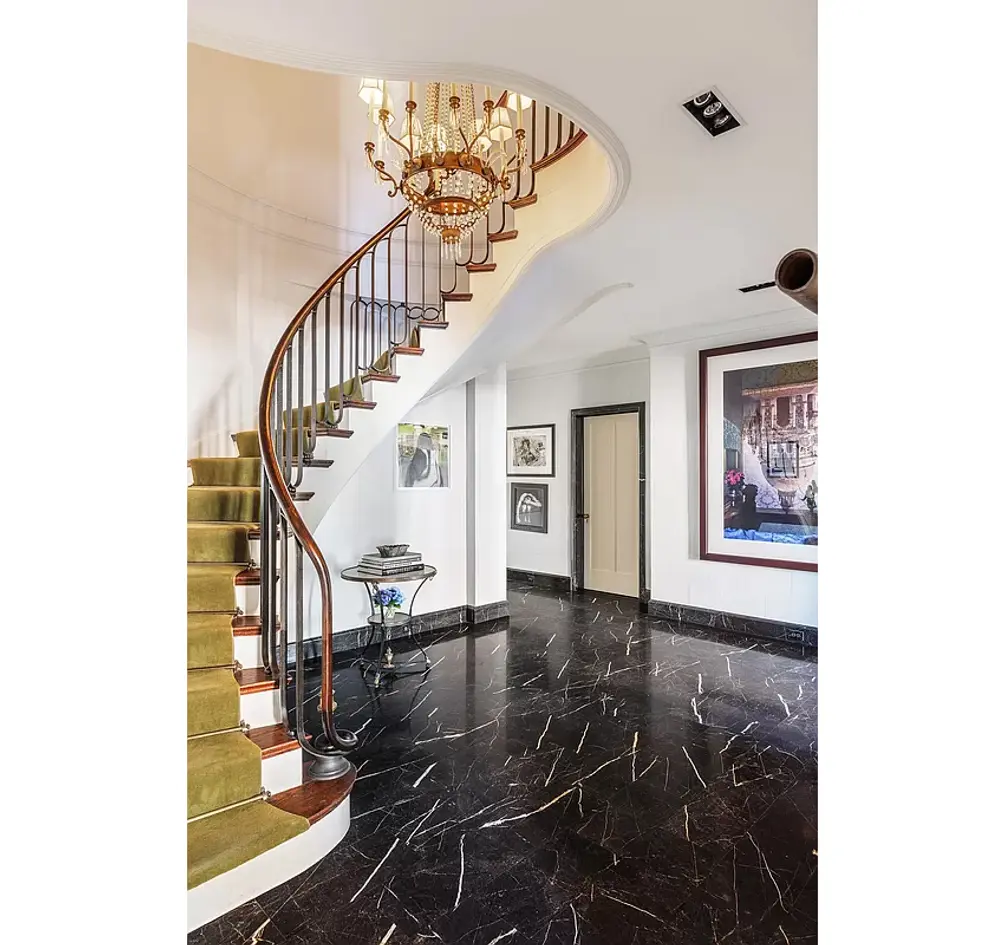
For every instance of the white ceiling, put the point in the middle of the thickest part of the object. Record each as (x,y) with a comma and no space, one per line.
(699,216)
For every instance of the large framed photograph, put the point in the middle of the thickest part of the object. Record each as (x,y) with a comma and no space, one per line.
(528,507)
(759,463)
(530,451)
(423,456)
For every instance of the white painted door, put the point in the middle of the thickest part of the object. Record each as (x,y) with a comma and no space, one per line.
(610,494)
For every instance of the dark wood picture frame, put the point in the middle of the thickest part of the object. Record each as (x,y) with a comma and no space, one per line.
(578,499)
(704,357)
(514,489)
(532,474)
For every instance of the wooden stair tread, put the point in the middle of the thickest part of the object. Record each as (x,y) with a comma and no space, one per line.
(458,296)
(360,404)
(408,349)
(333,431)
(249,577)
(273,740)
(303,496)
(245,626)
(255,679)
(528,201)
(503,236)
(319,463)
(481,267)
(387,378)
(432,324)
(315,799)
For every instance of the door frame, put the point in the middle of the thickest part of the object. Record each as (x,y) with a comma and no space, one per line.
(578,485)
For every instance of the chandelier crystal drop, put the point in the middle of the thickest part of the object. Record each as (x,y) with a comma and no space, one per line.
(454,162)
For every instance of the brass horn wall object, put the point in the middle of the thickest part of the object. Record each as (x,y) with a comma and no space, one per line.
(797,277)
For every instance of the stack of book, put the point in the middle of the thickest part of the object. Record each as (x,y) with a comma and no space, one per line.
(375,565)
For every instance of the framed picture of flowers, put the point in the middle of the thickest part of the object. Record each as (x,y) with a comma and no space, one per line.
(759,462)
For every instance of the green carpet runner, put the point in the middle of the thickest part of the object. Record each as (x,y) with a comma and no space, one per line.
(223,768)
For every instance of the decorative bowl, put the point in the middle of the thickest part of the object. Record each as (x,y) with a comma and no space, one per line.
(392,551)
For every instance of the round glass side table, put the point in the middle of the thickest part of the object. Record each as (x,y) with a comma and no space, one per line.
(380,622)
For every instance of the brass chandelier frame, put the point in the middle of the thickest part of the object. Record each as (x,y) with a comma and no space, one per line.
(424,173)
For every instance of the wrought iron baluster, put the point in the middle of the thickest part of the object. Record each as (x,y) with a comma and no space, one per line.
(280,660)
(300,431)
(327,357)
(288,416)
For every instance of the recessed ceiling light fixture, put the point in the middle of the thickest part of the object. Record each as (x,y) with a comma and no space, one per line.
(712,112)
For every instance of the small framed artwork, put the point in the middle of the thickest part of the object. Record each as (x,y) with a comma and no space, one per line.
(759,463)
(528,507)
(423,456)
(530,450)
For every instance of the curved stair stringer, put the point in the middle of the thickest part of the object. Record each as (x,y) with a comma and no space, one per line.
(570,198)
(250,879)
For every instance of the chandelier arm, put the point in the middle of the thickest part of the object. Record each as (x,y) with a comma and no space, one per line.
(380,168)
(463,137)
(399,143)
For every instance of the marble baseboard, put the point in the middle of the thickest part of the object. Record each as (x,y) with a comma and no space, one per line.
(554,582)
(346,641)
(485,613)
(757,627)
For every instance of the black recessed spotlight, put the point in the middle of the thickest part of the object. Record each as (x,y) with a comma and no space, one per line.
(712,113)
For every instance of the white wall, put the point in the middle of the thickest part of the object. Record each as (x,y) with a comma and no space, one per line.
(487,525)
(548,394)
(677,572)
(278,196)
(372,511)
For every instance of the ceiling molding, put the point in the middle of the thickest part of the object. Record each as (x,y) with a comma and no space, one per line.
(605,359)
(615,152)
(362,235)
(749,328)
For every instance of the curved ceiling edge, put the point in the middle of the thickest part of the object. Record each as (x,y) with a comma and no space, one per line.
(595,127)
(590,300)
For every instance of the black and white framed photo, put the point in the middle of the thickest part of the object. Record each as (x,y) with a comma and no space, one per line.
(530,450)
(423,456)
(528,507)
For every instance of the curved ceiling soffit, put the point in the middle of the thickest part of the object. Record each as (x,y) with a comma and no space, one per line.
(590,300)
(584,117)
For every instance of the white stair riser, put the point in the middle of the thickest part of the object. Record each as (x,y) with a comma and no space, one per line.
(261,708)
(248,598)
(247,651)
(282,772)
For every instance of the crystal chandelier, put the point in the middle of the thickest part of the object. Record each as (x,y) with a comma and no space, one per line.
(452,164)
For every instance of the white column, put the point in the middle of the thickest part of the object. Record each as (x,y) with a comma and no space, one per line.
(486,488)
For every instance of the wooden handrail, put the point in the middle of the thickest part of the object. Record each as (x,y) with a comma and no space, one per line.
(274,481)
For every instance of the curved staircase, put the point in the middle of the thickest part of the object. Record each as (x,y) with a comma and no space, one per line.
(266,797)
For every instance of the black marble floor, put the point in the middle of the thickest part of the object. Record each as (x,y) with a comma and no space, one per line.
(581,775)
